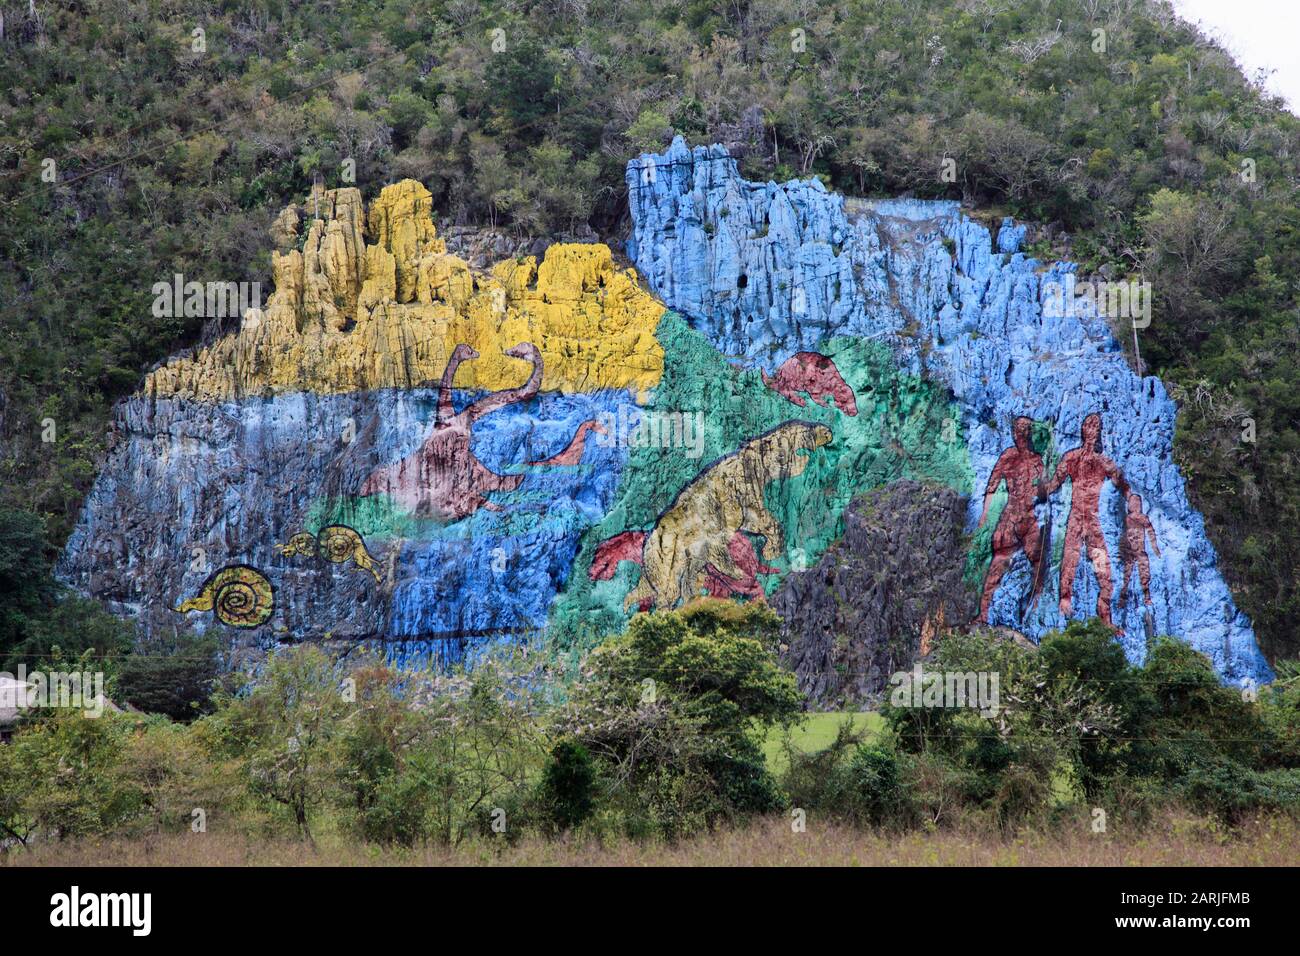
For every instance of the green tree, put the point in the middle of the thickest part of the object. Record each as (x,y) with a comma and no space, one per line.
(176,676)
(568,784)
(285,730)
(1085,659)
(25,583)
(429,757)
(673,712)
(61,777)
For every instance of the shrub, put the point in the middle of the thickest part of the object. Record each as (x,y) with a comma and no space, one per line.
(1196,720)
(175,677)
(1231,791)
(568,784)
(875,789)
(673,710)
(61,777)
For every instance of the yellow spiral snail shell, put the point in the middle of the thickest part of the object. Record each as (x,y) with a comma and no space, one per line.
(301,543)
(337,543)
(238,594)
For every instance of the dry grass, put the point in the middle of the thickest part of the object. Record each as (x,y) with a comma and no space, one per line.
(1177,841)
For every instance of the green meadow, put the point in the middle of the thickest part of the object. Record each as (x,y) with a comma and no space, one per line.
(817,732)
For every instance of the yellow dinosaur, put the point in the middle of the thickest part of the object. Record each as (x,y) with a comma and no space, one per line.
(695,532)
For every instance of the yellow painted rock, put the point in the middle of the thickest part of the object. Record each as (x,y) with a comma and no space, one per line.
(374,300)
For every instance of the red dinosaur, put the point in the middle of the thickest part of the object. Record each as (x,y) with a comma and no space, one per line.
(743,555)
(622,547)
(442,478)
(628,547)
(572,455)
(814,374)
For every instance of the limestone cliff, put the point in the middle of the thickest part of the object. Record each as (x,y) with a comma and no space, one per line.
(766,271)
(349,315)
(272,432)
(405,450)
(879,596)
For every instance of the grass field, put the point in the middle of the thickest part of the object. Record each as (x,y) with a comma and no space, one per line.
(1174,841)
(816,732)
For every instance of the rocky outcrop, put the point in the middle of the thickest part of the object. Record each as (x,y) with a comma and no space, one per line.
(350,315)
(766,270)
(877,597)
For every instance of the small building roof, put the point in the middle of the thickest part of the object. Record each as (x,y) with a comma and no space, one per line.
(12,693)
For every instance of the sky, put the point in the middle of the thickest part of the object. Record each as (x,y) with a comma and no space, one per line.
(1259,33)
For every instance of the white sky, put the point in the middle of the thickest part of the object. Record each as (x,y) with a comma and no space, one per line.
(1259,33)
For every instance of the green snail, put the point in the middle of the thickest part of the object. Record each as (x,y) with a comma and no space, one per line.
(238,594)
(337,543)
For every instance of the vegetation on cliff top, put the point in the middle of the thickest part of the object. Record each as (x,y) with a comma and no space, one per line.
(171,158)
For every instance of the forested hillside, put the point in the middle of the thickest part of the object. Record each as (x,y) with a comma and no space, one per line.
(139,140)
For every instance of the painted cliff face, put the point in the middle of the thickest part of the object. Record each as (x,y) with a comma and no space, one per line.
(397,450)
(700,542)
(408,452)
(443,478)
(766,272)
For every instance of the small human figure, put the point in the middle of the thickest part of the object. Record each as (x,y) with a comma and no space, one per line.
(1022,469)
(1133,548)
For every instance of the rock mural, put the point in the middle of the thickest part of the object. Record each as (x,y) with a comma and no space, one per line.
(765,271)
(238,595)
(814,375)
(1017,529)
(709,521)
(406,451)
(767,493)
(442,478)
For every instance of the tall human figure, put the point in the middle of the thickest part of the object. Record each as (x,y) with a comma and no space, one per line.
(1017,529)
(1087,468)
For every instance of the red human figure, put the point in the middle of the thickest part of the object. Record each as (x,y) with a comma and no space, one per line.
(1087,468)
(442,478)
(1133,548)
(1022,469)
